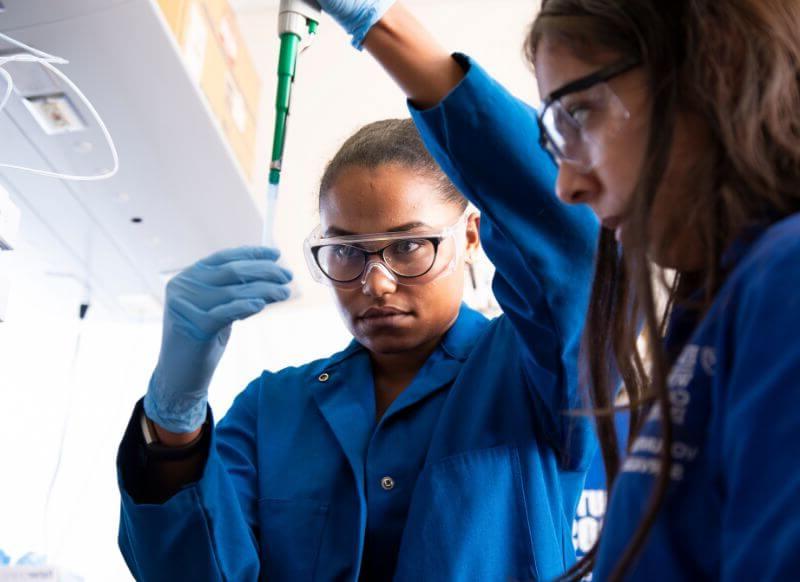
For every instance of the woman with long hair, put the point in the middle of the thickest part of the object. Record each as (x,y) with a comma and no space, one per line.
(678,123)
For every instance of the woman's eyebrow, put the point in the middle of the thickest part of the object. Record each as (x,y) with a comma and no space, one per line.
(336,231)
(409,226)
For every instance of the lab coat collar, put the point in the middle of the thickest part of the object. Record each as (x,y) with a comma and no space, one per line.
(444,364)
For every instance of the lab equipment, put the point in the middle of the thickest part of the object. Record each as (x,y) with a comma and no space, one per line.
(9,221)
(406,258)
(356,16)
(297,23)
(32,559)
(202,303)
(268,232)
(48,61)
(37,573)
(9,227)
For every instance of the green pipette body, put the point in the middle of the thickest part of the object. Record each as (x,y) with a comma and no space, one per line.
(287,66)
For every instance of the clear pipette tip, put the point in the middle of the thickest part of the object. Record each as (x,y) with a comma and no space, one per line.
(268,230)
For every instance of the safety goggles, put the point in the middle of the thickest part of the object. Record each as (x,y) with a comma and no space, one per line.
(574,119)
(405,258)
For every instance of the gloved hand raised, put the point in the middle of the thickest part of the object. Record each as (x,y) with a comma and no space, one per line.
(356,16)
(202,303)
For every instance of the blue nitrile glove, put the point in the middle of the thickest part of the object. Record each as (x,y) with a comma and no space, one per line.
(201,305)
(356,16)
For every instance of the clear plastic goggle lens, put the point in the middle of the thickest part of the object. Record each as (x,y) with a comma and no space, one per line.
(565,136)
(578,125)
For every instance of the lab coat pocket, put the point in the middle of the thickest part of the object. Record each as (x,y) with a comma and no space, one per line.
(469,521)
(291,535)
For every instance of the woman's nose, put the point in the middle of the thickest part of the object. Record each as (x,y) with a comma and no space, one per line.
(574,186)
(378,281)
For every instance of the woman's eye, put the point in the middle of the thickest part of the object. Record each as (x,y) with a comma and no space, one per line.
(345,252)
(580,114)
(407,247)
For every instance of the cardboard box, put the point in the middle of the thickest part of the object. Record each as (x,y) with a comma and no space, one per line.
(230,106)
(217,59)
(173,11)
(230,39)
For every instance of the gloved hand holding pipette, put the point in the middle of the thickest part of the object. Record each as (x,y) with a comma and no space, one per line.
(356,16)
(202,303)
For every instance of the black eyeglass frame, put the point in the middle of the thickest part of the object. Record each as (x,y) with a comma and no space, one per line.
(602,76)
(436,241)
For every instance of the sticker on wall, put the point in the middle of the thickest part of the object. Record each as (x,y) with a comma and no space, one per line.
(195,42)
(236,103)
(228,39)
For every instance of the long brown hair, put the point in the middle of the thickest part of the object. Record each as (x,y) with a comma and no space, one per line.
(736,65)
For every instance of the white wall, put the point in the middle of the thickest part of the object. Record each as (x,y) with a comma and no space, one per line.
(44,380)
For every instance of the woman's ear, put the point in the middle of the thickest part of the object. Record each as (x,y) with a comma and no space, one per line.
(473,236)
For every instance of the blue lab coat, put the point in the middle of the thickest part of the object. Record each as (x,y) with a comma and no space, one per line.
(593,501)
(474,471)
(732,509)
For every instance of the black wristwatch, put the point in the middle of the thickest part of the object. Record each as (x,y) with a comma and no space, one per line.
(157,450)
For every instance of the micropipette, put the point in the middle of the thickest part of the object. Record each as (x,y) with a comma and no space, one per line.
(297,21)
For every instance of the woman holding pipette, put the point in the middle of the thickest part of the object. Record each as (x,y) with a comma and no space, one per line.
(439,445)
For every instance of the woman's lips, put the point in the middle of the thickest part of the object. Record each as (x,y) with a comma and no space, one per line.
(383,317)
(379,312)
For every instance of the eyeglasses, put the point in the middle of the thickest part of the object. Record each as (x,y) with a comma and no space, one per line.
(572,118)
(408,259)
